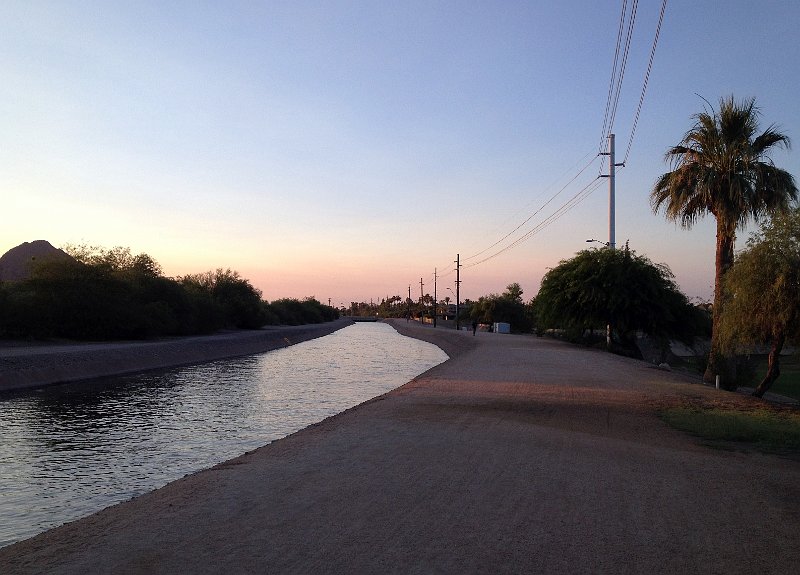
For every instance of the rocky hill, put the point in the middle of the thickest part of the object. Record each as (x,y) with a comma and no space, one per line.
(16,263)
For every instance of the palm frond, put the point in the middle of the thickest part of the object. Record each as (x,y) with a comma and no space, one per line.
(769,139)
(721,167)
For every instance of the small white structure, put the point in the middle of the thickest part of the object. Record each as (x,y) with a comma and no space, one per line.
(501,327)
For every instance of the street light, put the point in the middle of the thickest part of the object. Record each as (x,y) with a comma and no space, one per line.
(608,245)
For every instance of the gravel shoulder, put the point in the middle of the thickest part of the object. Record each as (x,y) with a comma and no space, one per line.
(517,455)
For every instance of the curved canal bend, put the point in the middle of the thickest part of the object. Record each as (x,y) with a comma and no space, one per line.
(68,451)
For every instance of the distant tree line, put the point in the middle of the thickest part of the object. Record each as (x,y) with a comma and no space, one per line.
(112,294)
(600,295)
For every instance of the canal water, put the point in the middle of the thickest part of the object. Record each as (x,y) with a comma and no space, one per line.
(70,450)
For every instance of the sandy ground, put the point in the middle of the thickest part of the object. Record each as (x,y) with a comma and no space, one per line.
(519,455)
(24,366)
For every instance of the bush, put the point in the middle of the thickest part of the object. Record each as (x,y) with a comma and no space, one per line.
(104,295)
(295,312)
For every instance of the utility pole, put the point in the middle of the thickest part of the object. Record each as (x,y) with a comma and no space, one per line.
(408,317)
(458,293)
(435,302)
(612,175)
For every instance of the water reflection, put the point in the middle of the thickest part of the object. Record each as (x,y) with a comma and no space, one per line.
(70,450)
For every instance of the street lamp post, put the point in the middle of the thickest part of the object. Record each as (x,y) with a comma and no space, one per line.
(608,245)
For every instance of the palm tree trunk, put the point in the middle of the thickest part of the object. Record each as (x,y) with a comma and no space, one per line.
(773,366)
(717,364)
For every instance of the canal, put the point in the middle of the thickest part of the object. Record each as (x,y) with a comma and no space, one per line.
(70,450)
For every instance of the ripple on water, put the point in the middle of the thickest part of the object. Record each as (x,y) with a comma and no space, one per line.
(68,451)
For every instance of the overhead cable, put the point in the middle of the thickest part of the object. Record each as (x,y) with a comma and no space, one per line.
(623,65)
(584,193)
(612,80)
(646,79)
(529,218)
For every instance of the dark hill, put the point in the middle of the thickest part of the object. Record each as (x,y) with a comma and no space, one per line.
(16,263)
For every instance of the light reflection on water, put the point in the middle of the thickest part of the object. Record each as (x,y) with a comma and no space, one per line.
(67,451)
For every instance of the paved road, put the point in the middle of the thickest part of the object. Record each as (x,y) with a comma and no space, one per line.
(519,455)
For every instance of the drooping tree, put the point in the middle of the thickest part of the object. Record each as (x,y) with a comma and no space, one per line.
(763,293)
(617,288)
(722,167)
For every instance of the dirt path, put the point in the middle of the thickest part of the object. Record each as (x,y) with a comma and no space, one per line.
(519,455)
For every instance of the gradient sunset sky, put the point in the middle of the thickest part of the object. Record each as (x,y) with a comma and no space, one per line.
(345,150)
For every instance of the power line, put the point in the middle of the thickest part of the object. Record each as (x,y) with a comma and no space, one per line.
(615,82)
(529,218)
(574,201)
(584,193)
(623,66)
(646,80)
(611,81)
(511,220)
(451,270)
(627,23)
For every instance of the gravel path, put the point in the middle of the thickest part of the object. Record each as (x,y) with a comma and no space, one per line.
(519,455)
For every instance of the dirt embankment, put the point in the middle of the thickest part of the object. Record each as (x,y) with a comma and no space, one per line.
(451,342)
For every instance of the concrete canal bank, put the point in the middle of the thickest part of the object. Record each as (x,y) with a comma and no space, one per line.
(24,366)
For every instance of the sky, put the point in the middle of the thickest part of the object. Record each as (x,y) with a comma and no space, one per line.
(346,150)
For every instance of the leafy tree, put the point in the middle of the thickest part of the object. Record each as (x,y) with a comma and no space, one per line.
(391,307)
(116,259)
(513,292)
(722,167)
(763,293)
(600,287)
(506,307)
(238,303)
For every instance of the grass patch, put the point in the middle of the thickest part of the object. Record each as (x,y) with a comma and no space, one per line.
(788,383)
(768,429)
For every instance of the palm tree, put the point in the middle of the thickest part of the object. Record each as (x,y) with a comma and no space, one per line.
(722,167)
